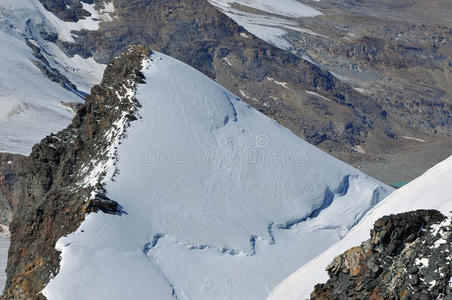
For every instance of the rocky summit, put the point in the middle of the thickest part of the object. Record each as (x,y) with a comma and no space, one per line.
(54,197)
(407,257)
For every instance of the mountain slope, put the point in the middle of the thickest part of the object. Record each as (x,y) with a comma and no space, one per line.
(204,191)
(429,191)
(370,109)
(299,95)
(399,53)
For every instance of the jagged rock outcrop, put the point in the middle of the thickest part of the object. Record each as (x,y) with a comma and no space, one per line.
(407,257)
(59,188)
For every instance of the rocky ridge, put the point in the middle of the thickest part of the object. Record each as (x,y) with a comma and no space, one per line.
(65,170)
(407,257)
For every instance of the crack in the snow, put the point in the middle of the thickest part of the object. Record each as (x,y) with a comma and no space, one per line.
(149,246)
(231,98)
(253,244)
(328,198)
(224,250)
(270,233)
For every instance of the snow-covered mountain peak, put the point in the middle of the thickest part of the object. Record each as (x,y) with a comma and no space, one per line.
(211,192)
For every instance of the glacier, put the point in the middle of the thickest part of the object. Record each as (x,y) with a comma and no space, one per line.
(32,105)
(218,201)
(271,21)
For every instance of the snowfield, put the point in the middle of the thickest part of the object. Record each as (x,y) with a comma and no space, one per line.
(220,202)
(268,20)
(287,8)
(30,103)
(429,191)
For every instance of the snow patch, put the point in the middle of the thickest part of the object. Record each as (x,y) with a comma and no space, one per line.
(359,149)
(286,8)
(421,262)
(243,34)
(280,83)
(271,28)
(227,61)
(414,139)
(64,29)
(317,95)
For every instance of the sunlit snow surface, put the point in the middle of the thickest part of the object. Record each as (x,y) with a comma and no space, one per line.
(30,104)
(217,198)
(429,191)
(274,21)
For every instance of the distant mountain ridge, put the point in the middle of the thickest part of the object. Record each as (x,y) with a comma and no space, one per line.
(369,111)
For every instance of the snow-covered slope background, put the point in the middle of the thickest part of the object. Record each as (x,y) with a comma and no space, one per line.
(429,191)
(268,20)
(220,202)
(31,104)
